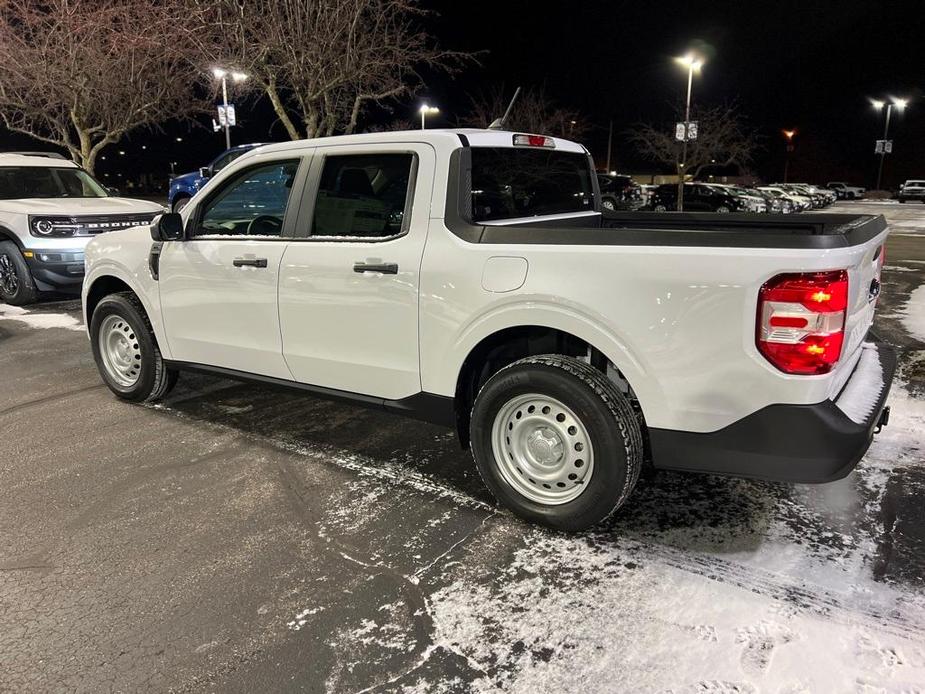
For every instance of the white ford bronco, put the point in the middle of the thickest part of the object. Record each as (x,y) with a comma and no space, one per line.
(49,209)
(470,278)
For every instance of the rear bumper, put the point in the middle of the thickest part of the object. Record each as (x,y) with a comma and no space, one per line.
(57,270)
(791,443)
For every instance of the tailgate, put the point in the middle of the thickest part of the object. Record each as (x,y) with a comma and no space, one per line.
(863,295)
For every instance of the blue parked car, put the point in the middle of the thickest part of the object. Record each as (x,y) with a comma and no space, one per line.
(185,186)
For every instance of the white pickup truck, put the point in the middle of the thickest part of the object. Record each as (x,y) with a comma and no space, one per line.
(470,278)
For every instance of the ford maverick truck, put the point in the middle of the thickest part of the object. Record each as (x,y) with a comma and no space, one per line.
(470,278)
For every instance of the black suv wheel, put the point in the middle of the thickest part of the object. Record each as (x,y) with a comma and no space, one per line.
(16,284)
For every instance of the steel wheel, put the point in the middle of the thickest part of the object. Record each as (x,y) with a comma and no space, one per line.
(542,449)
(9,280)
(120,351)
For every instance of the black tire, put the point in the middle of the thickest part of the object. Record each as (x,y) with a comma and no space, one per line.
(723,209)
(18,288)
(902,200)
(608,202)
(613,427)
(155,380)
(180,203)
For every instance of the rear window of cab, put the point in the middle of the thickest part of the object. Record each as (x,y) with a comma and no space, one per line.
(512,183)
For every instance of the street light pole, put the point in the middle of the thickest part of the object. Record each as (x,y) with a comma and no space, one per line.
(900,104)
(222,74)
(425,111)
(886,130)
(225,103)
(789,135)
(692,64)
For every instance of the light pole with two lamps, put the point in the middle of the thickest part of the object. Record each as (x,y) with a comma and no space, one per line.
(900,104)
(692,63)
(223,75)
(425,111)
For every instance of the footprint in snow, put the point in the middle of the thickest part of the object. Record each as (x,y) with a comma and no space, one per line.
(758,644)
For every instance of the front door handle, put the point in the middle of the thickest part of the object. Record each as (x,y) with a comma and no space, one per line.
(384,268)
(249,262)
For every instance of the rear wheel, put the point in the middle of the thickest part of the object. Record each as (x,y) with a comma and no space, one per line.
(722,209)
(126,351)
(556,441)
(660,208)
(16,284)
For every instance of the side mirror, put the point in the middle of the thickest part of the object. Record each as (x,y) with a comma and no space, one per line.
(205,171)
(112,191)
(167,227)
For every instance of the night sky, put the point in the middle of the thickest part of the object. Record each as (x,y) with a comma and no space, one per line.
(809,65)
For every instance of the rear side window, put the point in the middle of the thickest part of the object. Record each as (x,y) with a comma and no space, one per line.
(508,183)
(363,195)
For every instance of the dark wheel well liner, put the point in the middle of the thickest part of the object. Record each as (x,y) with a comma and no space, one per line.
(100,289)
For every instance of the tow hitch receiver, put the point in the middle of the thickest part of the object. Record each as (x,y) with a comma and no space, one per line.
(884,420)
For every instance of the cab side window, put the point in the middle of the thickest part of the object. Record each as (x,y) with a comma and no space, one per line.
(363,195)
(253,203)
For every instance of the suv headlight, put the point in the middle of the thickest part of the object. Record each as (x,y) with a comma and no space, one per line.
(52,227)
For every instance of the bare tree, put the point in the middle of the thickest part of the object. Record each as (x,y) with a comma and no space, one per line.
(723,139)
(322,62)
(80,74)
(533,112)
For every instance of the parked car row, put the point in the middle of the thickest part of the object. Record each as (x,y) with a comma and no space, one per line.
(845,191)
(780,198)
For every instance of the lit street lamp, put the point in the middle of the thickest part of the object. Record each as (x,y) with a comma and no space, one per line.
(223,75)
(425,111)
(789,135)
(900,104)
(692,63)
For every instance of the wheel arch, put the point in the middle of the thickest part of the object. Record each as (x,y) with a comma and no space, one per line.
(7,235)
(111,280)
(504,346)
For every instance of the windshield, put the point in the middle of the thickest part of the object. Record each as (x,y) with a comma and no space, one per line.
(17,182)
(510,182)
(917,184)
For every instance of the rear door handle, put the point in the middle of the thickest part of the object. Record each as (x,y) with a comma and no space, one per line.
(384,268)
(249,262)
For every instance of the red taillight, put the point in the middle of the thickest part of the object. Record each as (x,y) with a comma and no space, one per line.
(801,321)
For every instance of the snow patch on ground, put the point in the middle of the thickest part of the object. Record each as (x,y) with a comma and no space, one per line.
(649,611)
(36,319)
(913,314)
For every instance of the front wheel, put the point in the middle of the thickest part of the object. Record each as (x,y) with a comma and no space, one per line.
(126,350)
(180,203)
(722,209)
(660,208)
(556,441)
(16,285)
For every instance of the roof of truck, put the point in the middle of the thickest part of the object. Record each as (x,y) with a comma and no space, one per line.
(37,159)
(453,137)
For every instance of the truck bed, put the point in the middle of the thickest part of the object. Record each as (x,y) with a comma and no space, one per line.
(819,231)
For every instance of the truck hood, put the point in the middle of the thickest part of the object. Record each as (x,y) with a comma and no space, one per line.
(80,206)
(189,177)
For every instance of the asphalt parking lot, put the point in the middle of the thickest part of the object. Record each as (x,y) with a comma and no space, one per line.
(236,538)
